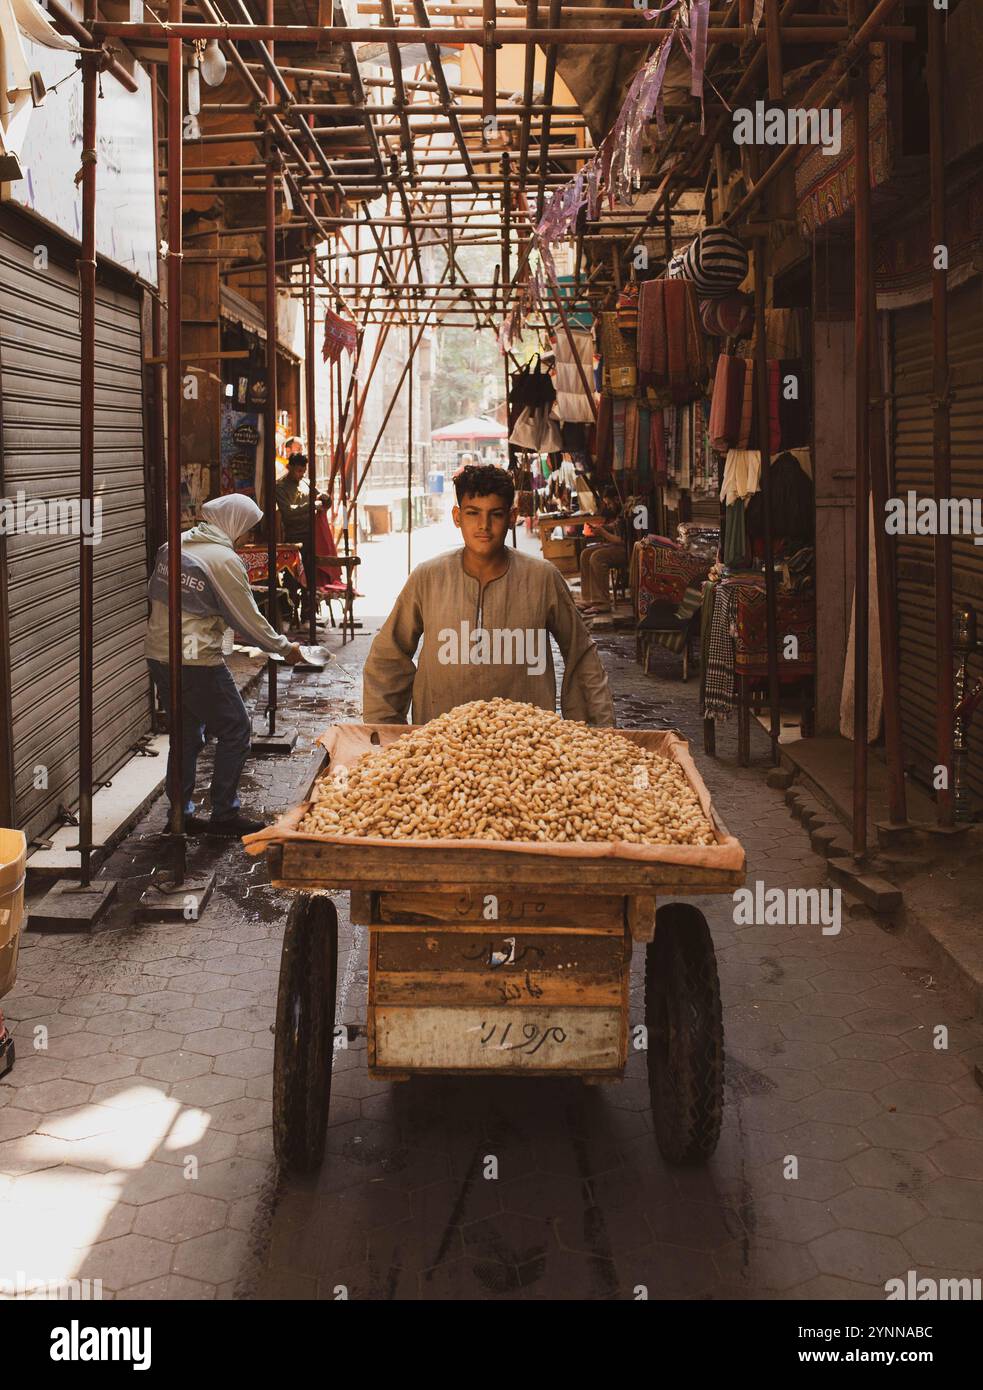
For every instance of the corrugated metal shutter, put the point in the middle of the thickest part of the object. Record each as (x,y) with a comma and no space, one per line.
(39,360)
(912,421)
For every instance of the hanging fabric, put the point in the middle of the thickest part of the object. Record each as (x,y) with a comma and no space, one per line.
(572,404)
(671,356)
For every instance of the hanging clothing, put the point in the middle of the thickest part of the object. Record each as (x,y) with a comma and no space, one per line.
(718,665)
(742,475)
(736,547)
(791,497)
(671,353)
(572,404)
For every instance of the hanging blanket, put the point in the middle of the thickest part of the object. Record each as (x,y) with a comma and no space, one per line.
(717,686)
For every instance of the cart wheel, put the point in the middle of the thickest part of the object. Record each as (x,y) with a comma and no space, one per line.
(305,1013)
(685,1035)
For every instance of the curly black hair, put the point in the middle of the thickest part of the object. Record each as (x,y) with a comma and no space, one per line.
(484,480)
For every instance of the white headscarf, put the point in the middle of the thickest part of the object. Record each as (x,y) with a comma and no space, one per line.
(235,514)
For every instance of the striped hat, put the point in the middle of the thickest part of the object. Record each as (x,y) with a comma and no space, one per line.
(716,261)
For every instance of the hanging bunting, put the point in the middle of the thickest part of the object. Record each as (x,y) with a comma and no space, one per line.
(340,335)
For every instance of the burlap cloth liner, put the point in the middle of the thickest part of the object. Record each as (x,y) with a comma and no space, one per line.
(346,743)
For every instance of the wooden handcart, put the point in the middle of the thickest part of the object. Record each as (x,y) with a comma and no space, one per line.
(497,961)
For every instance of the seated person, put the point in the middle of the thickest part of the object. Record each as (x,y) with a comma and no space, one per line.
(485,614)
(607,551)
(292,493)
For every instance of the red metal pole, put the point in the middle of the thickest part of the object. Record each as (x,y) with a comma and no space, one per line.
(175,654)
(764,442)
(269,434)
(941,428)
(87,384)
(861,316)
(310,389)
(311,447)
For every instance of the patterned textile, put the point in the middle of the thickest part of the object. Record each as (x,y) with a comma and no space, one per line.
(717,674)
(288,557)
(619,357)
(824,183)
(664,575)
(716,261)
(796,617)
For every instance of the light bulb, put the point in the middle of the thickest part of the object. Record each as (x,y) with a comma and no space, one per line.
(213,64)
(194,89)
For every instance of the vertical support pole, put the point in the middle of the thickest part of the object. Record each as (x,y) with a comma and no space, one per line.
(310,384)
(409,450)
(506,281)
(773,46)
(309,388)
(941,424)
(764,443)
(489,75)
(887,601)
(175,243)
(861,317)
(269,434)
(87,425)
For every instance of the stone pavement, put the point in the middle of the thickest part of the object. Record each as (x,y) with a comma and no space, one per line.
(135,1147)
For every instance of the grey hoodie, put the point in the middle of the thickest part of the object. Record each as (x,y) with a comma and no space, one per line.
(215,595)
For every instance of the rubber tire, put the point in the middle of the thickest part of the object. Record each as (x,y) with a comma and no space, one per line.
(685,1035)
(304,1033)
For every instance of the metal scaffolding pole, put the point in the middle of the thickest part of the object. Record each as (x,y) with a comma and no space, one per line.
(87,394)
(941,423)
(175,245)
(862,347)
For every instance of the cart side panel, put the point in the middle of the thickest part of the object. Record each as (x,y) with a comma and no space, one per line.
(485,908)
(555,1041)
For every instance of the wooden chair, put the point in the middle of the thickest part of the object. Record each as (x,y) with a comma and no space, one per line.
(329,585)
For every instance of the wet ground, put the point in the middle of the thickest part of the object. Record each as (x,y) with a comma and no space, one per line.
(135,1143)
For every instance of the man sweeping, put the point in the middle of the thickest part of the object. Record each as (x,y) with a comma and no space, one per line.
(486,613)
(215,595)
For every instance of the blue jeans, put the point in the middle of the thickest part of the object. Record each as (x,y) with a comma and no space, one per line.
(212,708)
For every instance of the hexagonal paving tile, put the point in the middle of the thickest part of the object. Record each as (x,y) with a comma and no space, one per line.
(863,1256)
(127,1260)
(214,1041)
(175,1066)
(874,1209)
(179,1218)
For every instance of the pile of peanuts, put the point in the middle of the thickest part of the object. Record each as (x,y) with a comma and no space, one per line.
(497,770)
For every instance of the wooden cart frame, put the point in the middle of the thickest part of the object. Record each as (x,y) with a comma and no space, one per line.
(504,962)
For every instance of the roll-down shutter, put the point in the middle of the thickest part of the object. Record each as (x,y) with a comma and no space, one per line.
(39,361)
(913,469)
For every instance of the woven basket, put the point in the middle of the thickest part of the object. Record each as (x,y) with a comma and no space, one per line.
(619,356)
